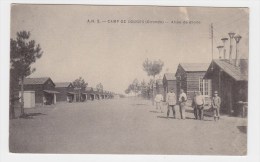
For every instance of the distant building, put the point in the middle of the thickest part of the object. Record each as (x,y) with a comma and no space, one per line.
(96,94)
(116,96)
(90,93)
(230,81)
(66,90)
(39,91)
(169,82)
(102,93)
(110,95)
(83,95)
(190,78)
(105,93)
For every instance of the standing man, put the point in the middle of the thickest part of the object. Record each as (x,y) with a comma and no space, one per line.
(44,101)
(171,101)
(193,105)
(158,100)
(216,101)
(182,101)
(200,102)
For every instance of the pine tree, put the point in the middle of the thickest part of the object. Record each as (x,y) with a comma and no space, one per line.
(23,53)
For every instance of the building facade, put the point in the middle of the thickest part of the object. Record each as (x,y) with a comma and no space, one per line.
(43,88)
(90,93)
(96,94)
(66,92)
(190,78)
(231,82)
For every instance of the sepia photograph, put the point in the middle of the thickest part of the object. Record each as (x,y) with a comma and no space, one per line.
(124,79)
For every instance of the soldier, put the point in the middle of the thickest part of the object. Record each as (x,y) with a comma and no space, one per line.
(200,102)
(193,105)
(216,101)
(182,101)
(158,100)
(171,101)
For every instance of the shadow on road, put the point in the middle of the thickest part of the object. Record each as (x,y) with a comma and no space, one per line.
(154,111)
(187,118)
(207,112)
(242,129)
(190,118)
(31,115)
(165,117)
(138,104)
(198,119)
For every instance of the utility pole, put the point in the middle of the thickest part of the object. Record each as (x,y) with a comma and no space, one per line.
(211,37)
(211,28)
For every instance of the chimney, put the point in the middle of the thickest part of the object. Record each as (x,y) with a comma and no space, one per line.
(219,50)
(224,45)
(237,38)
(231,35)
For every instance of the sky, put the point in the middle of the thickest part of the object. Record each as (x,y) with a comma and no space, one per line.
(113,53)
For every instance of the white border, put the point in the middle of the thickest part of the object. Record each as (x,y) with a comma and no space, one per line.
(254,80)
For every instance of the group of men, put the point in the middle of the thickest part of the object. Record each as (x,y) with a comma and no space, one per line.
(198,103)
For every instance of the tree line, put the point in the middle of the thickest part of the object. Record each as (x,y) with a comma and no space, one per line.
(146,89)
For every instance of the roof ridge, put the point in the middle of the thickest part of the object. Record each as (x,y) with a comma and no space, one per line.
(194,63)
(192,67)
(37,80)
(232,70)
(37,77)
(170,76)
(62,82)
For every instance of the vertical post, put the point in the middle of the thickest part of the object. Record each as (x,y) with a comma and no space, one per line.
(211,37)
(22,96)
(211,27)
(79,96)
(153,90)
(230,51)
(54,98)
(236,60)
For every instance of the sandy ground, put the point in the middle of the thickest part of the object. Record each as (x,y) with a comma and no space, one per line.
(124,126)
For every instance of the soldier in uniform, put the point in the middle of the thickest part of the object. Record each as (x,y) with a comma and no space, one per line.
(200,102)
(158,100)
(171,101)
(182,101)
(194,106)
(216,101)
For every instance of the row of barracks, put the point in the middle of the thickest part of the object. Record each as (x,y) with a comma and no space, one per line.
(228,77)
(43,91)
